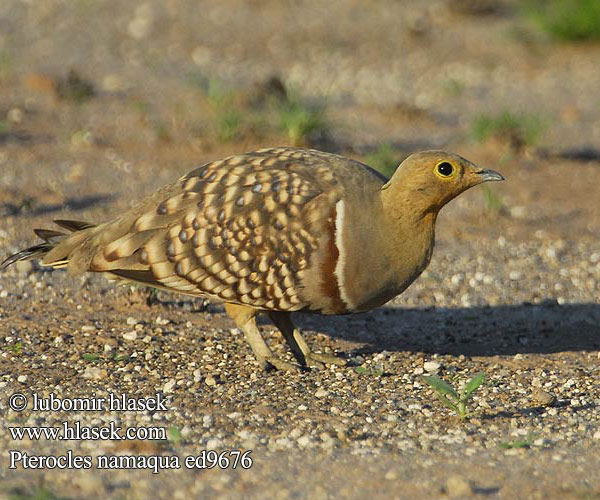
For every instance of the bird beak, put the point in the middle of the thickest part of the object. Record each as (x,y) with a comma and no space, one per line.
(485,175)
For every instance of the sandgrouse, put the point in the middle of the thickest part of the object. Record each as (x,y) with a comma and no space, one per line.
(276,231)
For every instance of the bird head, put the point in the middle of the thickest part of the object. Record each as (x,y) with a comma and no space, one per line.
(430,179)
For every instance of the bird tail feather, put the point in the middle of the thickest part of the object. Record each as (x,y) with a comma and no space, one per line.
(53,241)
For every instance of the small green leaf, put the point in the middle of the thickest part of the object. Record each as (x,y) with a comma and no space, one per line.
(473,385)
(174,435)
(93,357)
(361,370)
(447,402)
(439,385)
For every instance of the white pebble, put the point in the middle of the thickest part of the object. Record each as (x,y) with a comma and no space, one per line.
(303,441)
(213,444)
(321,393)
(132,335)
(22,378)
(431,366)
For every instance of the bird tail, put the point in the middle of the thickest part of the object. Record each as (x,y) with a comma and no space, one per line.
(51,240)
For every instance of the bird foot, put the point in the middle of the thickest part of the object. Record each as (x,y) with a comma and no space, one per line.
(318,360)
(271,362)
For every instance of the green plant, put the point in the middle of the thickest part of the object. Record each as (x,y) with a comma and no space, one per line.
(174,435)
(39,493)
(300,120)
(526,442)
(518,129)
(92,357)
(453,87)
(450,397)
(565,20)
(493,201)
(6,65)
(383,159)
(16,348)
(228,120)
(374,371)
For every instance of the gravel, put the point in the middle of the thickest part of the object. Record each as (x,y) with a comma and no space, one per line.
(512,291)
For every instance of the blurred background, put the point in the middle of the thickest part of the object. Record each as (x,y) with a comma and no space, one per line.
(103,101)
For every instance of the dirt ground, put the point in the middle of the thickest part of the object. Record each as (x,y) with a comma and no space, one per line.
(512,289)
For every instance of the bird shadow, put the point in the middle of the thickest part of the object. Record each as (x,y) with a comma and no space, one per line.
(474,331)
(30,206)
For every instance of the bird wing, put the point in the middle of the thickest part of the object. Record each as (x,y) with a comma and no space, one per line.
(242,230)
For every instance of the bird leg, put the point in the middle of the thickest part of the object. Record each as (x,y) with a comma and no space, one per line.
(245,319)
(298,345)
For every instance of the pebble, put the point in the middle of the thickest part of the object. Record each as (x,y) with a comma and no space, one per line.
(168,387)
(321,393)
(213,444)
(210,381)
(543,398)
(15,115)
(132,321)
(94,373)
(24,267)
(132,335)
(22,378)
(391,475)
(458,487)
(431,366)
(597,435)
(303,441)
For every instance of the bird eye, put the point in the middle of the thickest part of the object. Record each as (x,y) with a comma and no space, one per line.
(444,169)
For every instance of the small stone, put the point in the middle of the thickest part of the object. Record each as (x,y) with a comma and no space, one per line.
(518,212)
(321,393)
(302,407)
(543,398)
(458,487)
(15,115)
(168,387)
(213,444)
(94,373)
(22,378)
(210,381)
(597,435)
(431,366)
(391,475)
(24,267)
(113,83)
(132,321)
(303,441)
(88,328)
(3,294)
(131,336)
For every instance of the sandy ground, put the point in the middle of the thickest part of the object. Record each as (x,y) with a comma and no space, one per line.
(512,289)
